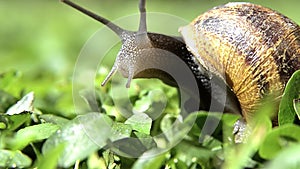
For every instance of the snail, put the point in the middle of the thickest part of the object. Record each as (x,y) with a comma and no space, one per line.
(250,49)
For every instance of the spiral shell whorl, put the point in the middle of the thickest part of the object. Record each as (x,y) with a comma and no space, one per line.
(255,49)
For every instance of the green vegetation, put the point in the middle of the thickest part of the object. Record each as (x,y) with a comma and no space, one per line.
(41,125)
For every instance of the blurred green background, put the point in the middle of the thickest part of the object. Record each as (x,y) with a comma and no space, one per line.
(42,39)
(48,35)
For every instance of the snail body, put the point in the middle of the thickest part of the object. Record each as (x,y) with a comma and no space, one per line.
(249,49)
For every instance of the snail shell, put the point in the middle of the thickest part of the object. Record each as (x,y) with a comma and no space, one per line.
(253,48)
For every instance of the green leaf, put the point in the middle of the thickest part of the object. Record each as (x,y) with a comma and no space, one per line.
(152,162)
(167,122)
(50,159)
(120,131)
(278,139)
(176,163)
(155,97)
(206,123)
(286,109)
(142,104)
(81,136)
(153,103)
(140,122)
(190,153)
(288,158)
(146,140)
(30,134)
(14,159)
(50,118)
(15,121)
